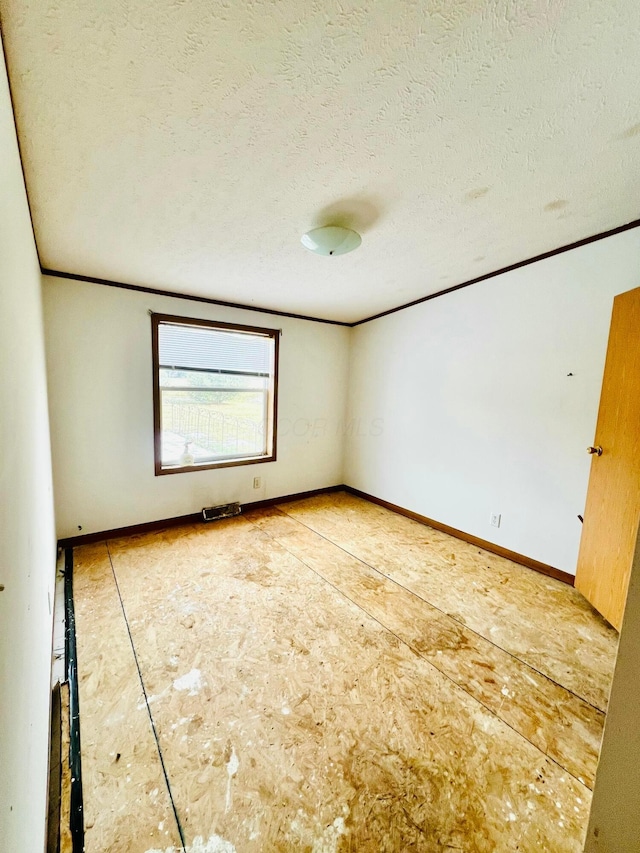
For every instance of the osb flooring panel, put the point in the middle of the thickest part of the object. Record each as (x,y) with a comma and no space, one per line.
(126,802)
(565,727)
(66,842)
(291,719)
(539,620)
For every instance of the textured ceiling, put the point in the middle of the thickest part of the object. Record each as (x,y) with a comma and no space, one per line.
(186,146)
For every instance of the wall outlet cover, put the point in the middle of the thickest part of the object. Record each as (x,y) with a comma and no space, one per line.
(494,520)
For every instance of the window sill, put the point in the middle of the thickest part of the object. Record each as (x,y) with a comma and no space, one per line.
(207,466)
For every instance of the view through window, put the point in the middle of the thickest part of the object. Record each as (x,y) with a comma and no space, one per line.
(214,393)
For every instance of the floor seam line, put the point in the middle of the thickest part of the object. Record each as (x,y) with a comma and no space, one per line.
(428,662)
(146,701)
(444,613)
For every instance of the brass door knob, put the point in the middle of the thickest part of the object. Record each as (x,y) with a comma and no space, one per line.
(597,450)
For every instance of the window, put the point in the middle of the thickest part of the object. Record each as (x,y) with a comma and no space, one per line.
(214,394)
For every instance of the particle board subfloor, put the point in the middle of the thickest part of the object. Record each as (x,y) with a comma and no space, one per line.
(327,676)
(126,803)
(66,841)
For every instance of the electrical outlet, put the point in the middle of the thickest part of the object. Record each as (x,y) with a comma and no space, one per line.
(257,482)
(494,520)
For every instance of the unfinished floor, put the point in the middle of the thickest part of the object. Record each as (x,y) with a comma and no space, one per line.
(329,676)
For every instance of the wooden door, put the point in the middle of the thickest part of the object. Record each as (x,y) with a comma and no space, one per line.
(613,499)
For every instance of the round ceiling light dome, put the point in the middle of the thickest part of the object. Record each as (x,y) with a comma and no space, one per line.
(331,240)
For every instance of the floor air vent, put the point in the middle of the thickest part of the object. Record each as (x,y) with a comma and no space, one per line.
(213,513)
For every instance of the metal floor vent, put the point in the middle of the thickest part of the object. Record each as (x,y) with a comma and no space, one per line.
(213,513)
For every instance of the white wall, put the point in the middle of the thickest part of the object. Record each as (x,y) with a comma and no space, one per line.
(99,364)
(458,407)
(479,413)
(27,564)
(614,824)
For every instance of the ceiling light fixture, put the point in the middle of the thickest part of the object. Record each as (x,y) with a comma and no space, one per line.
(331,240)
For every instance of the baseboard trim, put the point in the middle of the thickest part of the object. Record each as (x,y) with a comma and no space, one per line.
(298,496)
(131,530)
(529,562)
(196,518)
(191,518)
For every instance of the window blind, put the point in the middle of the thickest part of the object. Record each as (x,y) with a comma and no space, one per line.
(186,347)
